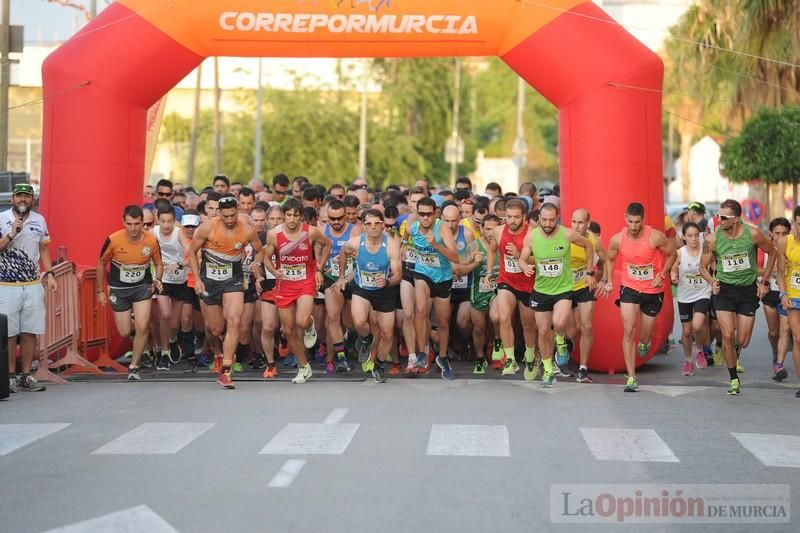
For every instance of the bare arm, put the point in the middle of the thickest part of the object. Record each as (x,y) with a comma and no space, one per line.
(707,260)
(525,255)
(268,251)
(448,246)
(395,264)
(781,253)
(667,247)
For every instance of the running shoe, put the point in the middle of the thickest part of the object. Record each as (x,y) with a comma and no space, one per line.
(562,353)
(719,359)
(283,348)
(735,388)
(329,368)
(403,349)
(271,372)
(632,385)
(310,335)
(780,373)
(530,371)
(511,367)
(290,361)
(303,374)
(216,368)
(687,368)
(342,366)
(162,362)
(480,367)
(237,367)
(174,352)
(643,348)
(583,376)
(321,354)
(367,366)
(13,384)
(364,348)
(739,367)
(29,383)
(700,360)
(447,370)
(259,362)
(497,351)
(378,373)
(133,374)
(548,379)
(561,371)
(395,370)
(797,394)
(224,380)
(709,356)
(421,363)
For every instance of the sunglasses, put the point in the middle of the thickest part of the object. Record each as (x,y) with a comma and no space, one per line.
(276,191)
(148,224)
(727,217)
(374,223)
(226,203)
(336,219)
(425,213)
(164,194)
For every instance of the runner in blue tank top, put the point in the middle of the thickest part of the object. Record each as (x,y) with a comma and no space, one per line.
(375,284)
(336,301)
(433,277)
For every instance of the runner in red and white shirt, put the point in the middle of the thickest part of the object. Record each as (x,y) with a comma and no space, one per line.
(300,251)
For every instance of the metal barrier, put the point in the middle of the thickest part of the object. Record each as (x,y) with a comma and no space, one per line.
(4,389)
(95,328)
(61,328)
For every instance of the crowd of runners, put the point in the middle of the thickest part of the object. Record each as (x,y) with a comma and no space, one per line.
(406,280)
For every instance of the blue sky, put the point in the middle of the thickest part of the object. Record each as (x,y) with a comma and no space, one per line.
(48,22)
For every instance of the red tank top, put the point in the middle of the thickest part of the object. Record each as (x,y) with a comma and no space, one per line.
(510,273)
(295,259)
(640,262)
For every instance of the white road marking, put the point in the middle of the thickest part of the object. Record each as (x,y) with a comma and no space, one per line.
(336,416)
(614,444)
(311,439)
(14,436)
(772,450)
(154,438)
(139,519)
(671,390)
(469,440)
(287,473)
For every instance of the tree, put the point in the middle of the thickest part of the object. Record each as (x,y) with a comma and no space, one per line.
(767,150)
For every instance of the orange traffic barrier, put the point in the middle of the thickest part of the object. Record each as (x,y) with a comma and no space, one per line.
(61,327)
(95,323)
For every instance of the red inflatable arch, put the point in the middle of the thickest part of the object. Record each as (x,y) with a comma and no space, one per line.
(99,85)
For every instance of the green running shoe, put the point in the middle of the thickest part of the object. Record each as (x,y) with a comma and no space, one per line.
(548,379)
(367,366)
(497,351)
(735,388)
(237,367)
(632,385)
(480,367)
(511,367)
(530,371)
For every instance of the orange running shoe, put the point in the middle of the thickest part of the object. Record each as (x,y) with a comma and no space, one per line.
(216,368)
(403,349)
(225,381)
(270,373)
(395,370)
(499,363)
(283,350)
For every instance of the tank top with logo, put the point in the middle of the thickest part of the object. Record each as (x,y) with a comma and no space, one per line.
(553,266)
(736,258)
(372,270)
(510,272)
(691,285)
(641,262)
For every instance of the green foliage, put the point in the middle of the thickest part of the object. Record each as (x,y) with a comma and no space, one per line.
(768,148)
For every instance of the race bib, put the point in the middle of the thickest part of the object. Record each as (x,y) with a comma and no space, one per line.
(411,255)
(794,280)
(550,268)
(487,286)
(178,275)
(219,272)
(460,282)
(578,274)
(373,280)
(511,265)
(132,273)
(695,281)
(429,260)
(335,267)
(736,262)
(641,272)
(294,272)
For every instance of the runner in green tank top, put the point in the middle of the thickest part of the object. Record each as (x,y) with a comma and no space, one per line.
(735,293)
(549,248)
(483,290)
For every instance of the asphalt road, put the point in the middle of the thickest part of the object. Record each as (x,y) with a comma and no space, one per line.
(413,454)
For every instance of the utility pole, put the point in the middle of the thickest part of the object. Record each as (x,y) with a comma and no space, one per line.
(520,149)
(259,124)
(93,8)
(193,133)
(217,128)
(362,137)
(456,110)
(5,73)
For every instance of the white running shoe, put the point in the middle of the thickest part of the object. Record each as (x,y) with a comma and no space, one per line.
(303,374)
(310,336)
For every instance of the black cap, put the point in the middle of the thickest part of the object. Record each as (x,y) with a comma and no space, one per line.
(697,206)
